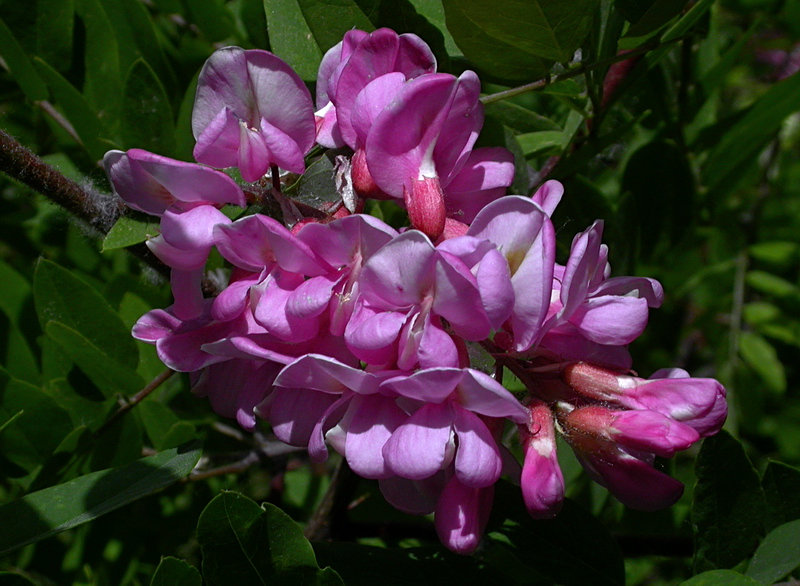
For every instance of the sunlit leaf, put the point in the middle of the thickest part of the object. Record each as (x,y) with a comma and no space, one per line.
(52,510)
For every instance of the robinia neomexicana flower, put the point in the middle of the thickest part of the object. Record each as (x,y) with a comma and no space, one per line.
(344,332)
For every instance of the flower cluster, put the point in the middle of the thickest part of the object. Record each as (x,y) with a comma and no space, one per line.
(342,331)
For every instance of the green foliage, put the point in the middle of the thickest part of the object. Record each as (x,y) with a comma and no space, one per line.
(691,160)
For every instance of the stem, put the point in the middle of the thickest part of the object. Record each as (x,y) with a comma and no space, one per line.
(21,164)
(98,210)
(129,404)
(577,71)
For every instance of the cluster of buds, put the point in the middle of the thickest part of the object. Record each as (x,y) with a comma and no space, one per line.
(342,331)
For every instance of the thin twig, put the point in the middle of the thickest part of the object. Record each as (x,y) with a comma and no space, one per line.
(576,72)
(234,468)
(128,404)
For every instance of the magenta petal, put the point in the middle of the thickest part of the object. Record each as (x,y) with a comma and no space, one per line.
(423,342)
(636,484)
(477,460)
(458,300)
(480,393)
(640,287)
(653,432)
(369,103)
(462,514)
(541,481)
(414,56)
(269,299)
(548,196)
(496,289)
(322,373)
(374,56)
(178,258)
(294,413)
(232,300)
(188,293)
(611,320)
(415,497)
(397,276)
(433,385)
(483,178)
(373,423)
(253,155)
(402,136)
(312,297)
(154,325)
(151,183)
(283,150)
(218,144)
(192,229)
(423,445)
(371,329)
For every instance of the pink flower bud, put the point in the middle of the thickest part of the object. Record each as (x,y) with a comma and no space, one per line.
(425,203)
(542,482)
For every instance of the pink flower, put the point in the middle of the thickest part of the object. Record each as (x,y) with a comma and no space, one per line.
(251,111)
(348,67)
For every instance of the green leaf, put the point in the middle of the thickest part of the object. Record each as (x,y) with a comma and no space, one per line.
(33,423)
(720,578)
(533,143)
(317,187)
(103,369)
(489,53)
(244,544)
(781,484)
(656,16)
(574,548)
(15,579)
(775,252)
(729,506)
(550,29)
(129,230)
(771,284)
(661,187)
(761,356)
(415,565)
(102,86)
(49,511)
(291,38)
(329,20)
(15,293)
(212,18)
(54,26)
(160,424)
(146,114)
(63,297)
(15,352)
(519,118)
(136,36)
(744,141)
(20,66)
(174,572)
(777,555)
(77,110)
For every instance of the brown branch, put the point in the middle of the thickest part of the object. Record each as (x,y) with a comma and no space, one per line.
(129,404)
(97,210)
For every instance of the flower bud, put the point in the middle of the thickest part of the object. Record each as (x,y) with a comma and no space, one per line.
(425,204)
(542,482)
